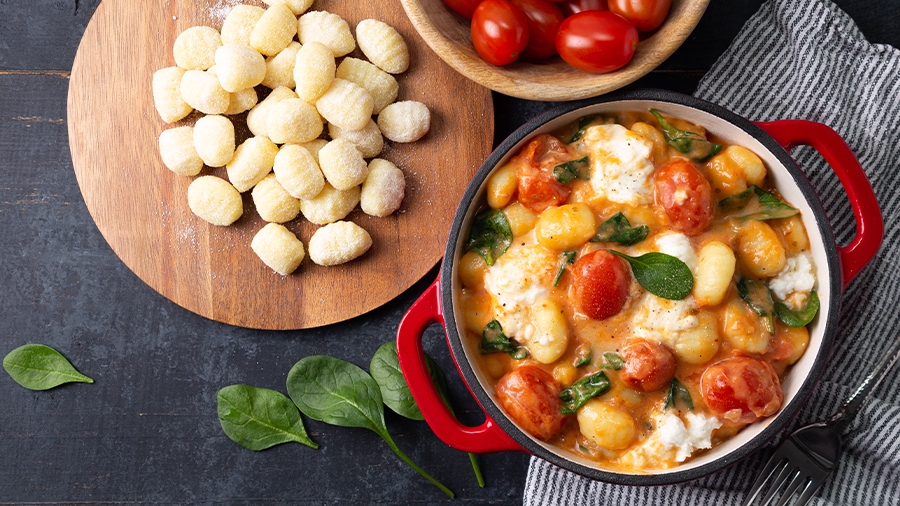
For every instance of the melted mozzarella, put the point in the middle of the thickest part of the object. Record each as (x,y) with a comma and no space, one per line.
(620,164)
(663,320)
(673,440)
(519,280)
(679,246)
(795,280)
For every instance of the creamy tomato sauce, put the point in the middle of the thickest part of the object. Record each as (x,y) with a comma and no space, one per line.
(685,364)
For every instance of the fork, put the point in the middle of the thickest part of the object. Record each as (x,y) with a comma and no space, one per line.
(809,455)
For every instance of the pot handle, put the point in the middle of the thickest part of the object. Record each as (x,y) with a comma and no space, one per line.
(869,223)
(485,438)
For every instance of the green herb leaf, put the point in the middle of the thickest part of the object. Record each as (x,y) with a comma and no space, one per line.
(613,361)
(678,392)
(770,208)
(259,418)
(736,201)
(661,274)
(582,125)
(40,367)
(618,229)
(692,144)
(585,355)
(493,340)
(799,318)
(757,295)
(490,236)
(340,393)
(582,391)
(567,172)
(568,259)
(385,370)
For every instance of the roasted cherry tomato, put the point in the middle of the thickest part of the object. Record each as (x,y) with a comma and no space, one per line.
(741,389)
(544,19)
(464,8)
(685,195)
(646,15)
(596,41)
(570,7)
(649,366)
(530,395)
(499,31)
(538,188)
(602,284)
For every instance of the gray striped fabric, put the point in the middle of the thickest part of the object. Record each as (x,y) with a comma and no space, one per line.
(807,59)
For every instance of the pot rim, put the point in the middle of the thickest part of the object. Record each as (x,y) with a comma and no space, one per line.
(449,286)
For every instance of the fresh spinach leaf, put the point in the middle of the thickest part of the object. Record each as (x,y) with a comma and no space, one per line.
(619,230)
(259,418)
(490,236)
(583,123)
(340,393)
(736,201)
(661,274)
(385,370)
(569,171)
(568,259)
(770,207)
(799,318)
(493,340)
(582,391)
(692,144)
(757,295)
(40,367)
(678,392)
(613,361)
(585,354)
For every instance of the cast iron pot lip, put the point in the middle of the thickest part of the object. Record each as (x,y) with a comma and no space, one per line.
(788,411)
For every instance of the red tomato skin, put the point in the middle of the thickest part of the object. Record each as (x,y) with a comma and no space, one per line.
(685,195)
(538,189)
(741,389)
(499,31)
(647,15)
(464,8)
(544,19)
(596,41)
(530,396)
(649,366)
(570,7)
(602,283)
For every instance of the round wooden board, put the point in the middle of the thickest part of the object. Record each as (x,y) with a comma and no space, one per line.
(141,207)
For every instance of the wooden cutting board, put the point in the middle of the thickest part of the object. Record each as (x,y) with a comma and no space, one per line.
(141,207)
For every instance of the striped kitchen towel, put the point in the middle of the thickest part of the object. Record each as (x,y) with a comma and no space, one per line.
(807,59)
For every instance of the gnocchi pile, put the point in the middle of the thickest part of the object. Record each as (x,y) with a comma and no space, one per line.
(636,289)
(316,136)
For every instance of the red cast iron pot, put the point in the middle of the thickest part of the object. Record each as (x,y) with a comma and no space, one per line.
(836,266)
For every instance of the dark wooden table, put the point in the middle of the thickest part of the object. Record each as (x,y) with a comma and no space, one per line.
(147,431)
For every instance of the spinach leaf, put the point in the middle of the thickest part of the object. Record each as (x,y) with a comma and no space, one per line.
(490,236)
(618,229)
(678,392)
(40,367)
(613,361)
(385,370)
(568,259)
(583,123)
(799,318)
(567,172)
(692,144)
(584,356)
(259,418)
(493,340)
(582,391)
(661,274)
(736,201)
(757,295)
(767,205)
(340,393)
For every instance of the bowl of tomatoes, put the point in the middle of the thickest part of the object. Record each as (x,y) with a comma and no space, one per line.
(642,288)
(554,50)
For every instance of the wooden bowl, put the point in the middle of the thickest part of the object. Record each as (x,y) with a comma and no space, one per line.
(447,33)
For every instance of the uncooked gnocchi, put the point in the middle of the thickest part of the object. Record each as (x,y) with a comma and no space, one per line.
(382,86)
(274,30)
(239,23)
(298,172)
(167,94)
(383,190)
(330,205)
(293,121)
(252,161)
(280,68)
(368,140)
(314,70)
(346,104)
(195,48)
(278,248)
(342,164)
(202,91)
(176,147)
(214,140)
(239,67)
(327,28)
(215,200)
(338,243)
(382,45)
(272,202)
(406,121)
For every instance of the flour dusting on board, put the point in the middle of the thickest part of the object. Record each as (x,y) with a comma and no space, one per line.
(219,10)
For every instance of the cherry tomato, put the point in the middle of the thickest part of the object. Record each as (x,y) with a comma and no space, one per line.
(499,31)
(464,8)
(646,15)
(544,19)
(570,7)
(602,284)
(538,189)
(596,41)
(685,196)
(741,389)
(648,366)
(530,396)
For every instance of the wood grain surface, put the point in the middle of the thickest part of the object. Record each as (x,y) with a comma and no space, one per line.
(552,79)
(141,207)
